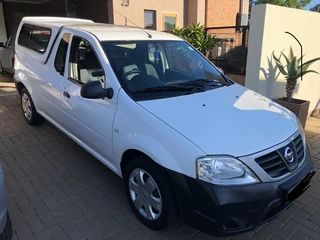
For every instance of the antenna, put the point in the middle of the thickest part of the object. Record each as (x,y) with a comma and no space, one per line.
(127,19)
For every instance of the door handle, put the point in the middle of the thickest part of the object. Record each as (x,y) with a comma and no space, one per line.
(67,95)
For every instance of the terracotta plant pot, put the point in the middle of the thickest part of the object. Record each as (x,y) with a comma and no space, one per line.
(299,107)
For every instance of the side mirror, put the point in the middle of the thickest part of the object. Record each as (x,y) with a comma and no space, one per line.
(94,90)
(1,44)
(220,69)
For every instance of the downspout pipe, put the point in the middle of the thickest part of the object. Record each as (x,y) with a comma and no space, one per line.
(242,6)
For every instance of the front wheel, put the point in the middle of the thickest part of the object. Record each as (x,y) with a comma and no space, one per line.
(28,109)
(148,193)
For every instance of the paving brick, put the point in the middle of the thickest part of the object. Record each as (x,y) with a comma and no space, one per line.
(63,208)
(94,211)
(304,222)
(315,217)
(310,208)
(188,232)
(108,217)
(291,226)
(124,234)
(285,216)
(127,222)
(104,230)
(299,236)
(81,204)
(87,196)
(47,231)
(25,233)
(54,219)
(35,224)
(58,193)
(308,232)
(75,215)
(69,227)
(86,233)
(138,232)
(89,222)
(96,236)
(44,212)
(61,235)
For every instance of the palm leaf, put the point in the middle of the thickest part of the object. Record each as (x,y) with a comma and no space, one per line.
(291,54)
(307,64)
(279,64)
(299,60)
(309,71)
(292,67)
(287,59)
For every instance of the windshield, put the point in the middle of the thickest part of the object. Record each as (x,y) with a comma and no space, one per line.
(163,68)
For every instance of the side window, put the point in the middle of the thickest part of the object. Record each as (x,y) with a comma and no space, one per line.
(34,37)
(84,64)
(60,60)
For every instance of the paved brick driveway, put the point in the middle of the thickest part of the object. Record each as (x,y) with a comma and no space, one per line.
(58,191)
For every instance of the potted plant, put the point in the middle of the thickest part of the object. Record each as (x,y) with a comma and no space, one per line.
(292,71)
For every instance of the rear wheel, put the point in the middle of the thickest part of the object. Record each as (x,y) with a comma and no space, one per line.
(28,109)
(148,193)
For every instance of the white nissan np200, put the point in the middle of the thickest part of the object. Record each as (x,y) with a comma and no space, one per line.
(186,139)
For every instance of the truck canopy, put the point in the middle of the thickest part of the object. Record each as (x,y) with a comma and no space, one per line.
(36,35)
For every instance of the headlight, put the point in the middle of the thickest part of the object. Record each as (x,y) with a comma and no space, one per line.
(301,130)
(224,170)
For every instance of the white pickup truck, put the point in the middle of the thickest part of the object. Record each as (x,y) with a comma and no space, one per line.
(187,140)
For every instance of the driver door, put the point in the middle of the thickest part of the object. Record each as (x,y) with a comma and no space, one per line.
(89,120)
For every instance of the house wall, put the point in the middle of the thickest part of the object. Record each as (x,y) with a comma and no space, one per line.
(268,25)
(135,11)
(196,11)
(224,13)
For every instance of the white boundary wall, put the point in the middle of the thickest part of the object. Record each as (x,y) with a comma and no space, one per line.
(268,25)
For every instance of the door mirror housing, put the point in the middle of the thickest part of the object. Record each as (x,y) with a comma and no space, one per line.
(2,44)
(94,90)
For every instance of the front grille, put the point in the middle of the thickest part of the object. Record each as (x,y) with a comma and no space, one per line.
(298,144)
(274,164)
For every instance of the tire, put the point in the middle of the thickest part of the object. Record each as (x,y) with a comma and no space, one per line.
(164,213)
(7,231)
(28,109)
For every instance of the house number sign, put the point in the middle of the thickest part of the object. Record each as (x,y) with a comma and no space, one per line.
(125,3)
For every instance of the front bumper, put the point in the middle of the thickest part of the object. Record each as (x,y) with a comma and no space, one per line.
(230,210)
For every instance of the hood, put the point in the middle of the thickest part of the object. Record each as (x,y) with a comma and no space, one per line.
(230,120)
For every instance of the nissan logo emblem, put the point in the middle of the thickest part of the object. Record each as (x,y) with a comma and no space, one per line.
(288,155)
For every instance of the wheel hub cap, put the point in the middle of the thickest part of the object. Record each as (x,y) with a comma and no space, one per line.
(26,106)
(145,194)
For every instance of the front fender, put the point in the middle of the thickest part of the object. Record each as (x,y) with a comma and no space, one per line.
(136,128)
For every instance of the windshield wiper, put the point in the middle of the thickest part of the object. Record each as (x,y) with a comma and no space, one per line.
(199,85)
(166,88)
(203,82)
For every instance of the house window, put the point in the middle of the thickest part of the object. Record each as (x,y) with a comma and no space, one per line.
(150,19)
(169,21)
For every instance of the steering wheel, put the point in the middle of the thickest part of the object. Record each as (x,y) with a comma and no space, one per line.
(133,71)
